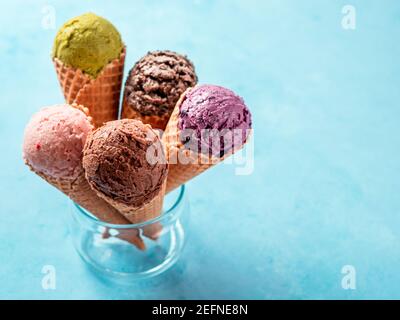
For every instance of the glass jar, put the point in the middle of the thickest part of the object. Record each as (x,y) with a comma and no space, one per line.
(134,251)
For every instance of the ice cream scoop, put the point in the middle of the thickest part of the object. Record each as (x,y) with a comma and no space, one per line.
(125,164)
(215,119)
(54,140)
(209,123)
(87,42)
(154,86)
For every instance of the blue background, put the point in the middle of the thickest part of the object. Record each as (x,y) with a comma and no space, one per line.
(325,189)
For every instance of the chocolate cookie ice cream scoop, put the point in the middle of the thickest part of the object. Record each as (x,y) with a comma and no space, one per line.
(154,86)
(118,165)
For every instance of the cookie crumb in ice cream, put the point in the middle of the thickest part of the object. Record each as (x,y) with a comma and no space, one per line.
(156,82)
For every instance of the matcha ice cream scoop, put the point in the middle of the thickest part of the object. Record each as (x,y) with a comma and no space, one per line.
(87,42)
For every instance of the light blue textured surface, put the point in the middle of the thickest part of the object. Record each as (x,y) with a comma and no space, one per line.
(324,192)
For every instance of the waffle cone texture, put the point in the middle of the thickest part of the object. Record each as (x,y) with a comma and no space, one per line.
(101,95)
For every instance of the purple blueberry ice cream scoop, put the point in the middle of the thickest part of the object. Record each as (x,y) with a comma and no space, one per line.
(213,120)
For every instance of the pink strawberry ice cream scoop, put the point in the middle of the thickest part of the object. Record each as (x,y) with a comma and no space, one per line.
(54,140)
(213,120)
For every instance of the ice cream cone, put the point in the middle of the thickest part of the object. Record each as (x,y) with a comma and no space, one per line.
(185,164)
(44,133)
(125,165)
(101,95)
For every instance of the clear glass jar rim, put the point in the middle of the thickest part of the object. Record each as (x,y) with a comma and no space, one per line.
(167,214)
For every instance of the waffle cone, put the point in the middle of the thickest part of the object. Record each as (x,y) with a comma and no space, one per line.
(100,95)
(156,122)
(195,163)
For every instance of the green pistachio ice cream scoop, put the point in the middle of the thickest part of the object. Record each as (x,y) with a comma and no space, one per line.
(88,43)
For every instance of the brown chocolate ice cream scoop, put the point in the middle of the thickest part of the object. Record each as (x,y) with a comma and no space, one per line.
(156,82)
(124,160)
